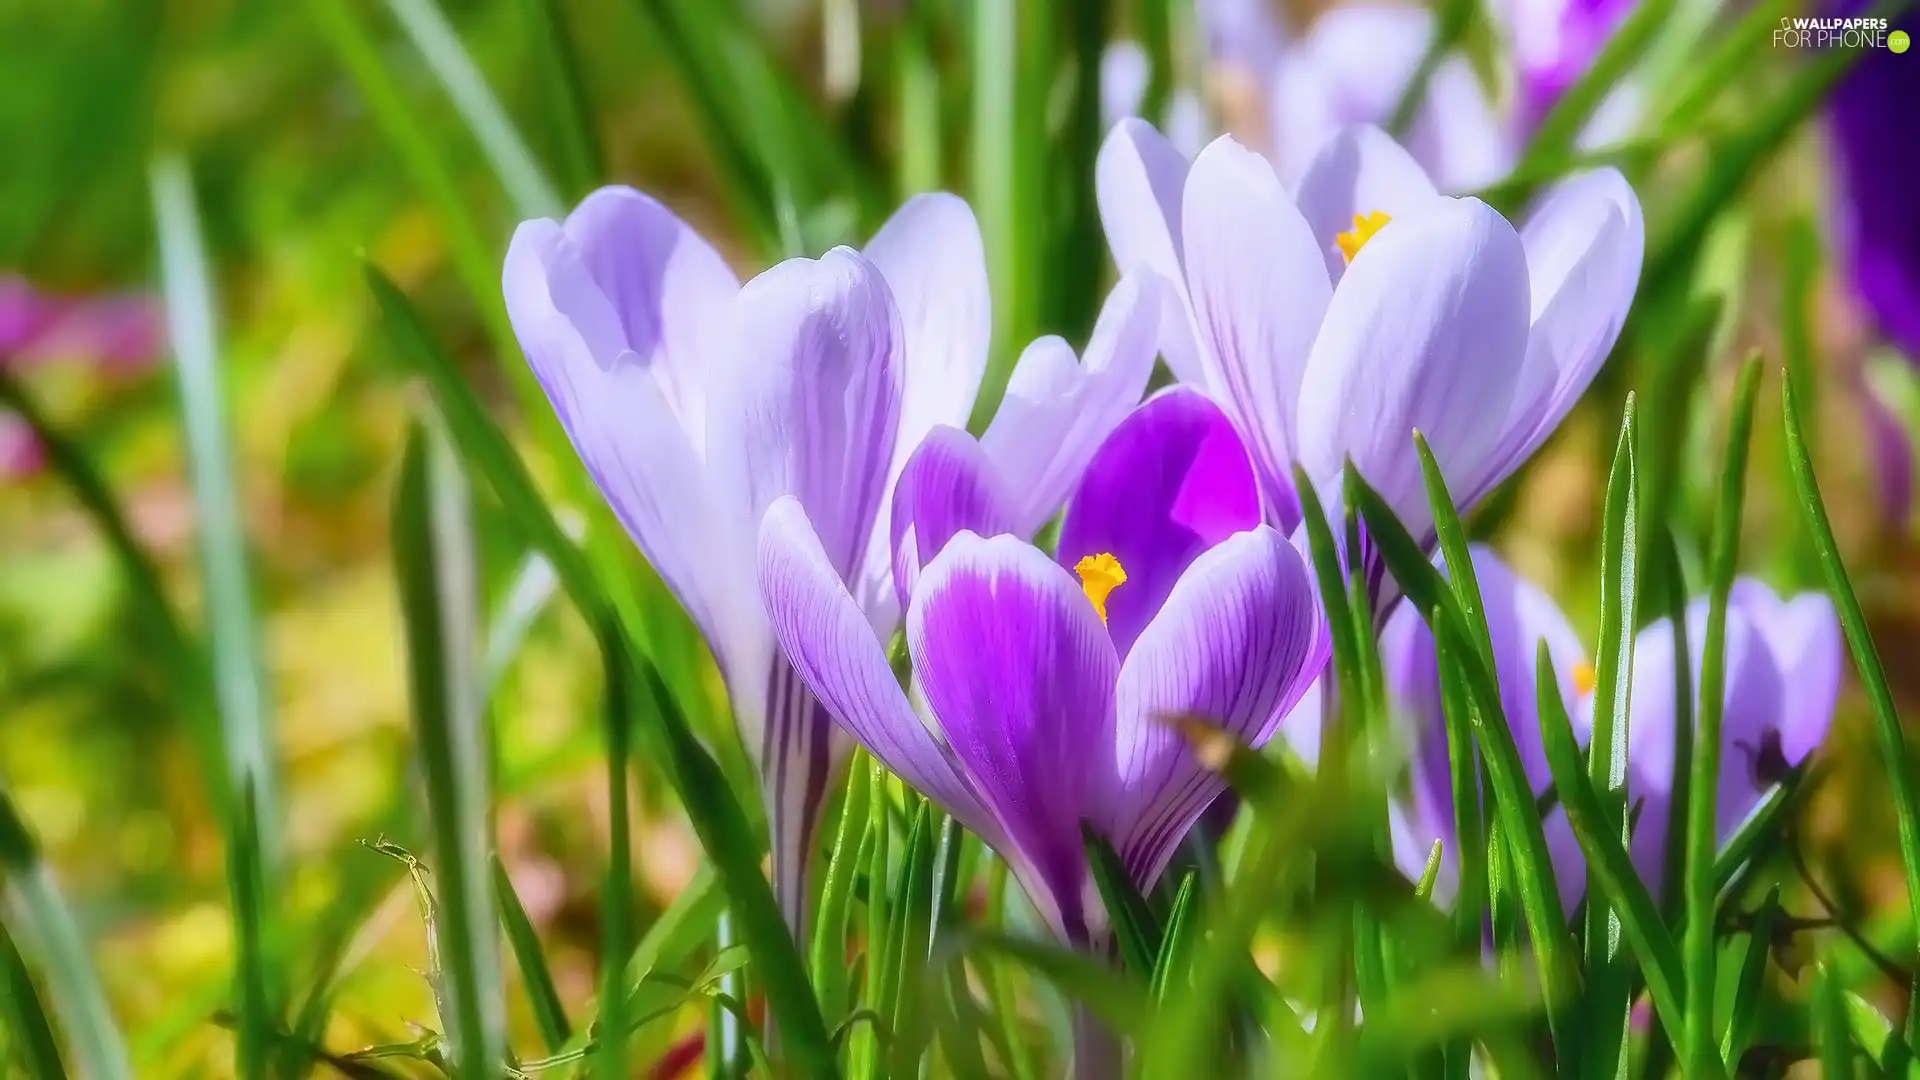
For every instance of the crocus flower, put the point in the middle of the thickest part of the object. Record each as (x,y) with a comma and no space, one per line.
(695,403)
(1782,677)
(110,331)
(1045,680)
(1333,320)
(1879,217)
(1519,616)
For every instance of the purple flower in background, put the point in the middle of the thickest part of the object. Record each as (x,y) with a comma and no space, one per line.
(1876,160)
(111,331)
(1044,690)
(1782,671)
(1332,321)
(696,403)
(1519,616)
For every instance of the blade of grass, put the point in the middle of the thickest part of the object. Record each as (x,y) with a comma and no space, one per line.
(1746,995)
(1609,991)
(543,998)
(917,77)
(829,954)
(1177,944)
(1117,999)
(435,561)
(1703,842)
(38,917)
(722,826)
(905,986)
(1134,925)
(239,678)
(1560,129)
(1607,860)
(610,1063)
(1454,19)
(866,1050)
(30,1034)
(565,105)
(513,162)
(1894,756)
(1829,1023)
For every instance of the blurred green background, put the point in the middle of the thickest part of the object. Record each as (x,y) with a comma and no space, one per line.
(319,137)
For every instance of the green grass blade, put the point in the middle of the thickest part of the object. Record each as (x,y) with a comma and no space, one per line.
(1119,1000)
(472,251)
(513,162)
(1177,944)
(565,104)
(30,1034)
(1831,1035)
(1607,861)
(37,917)
(239,672)
(526,598)
(921,156)
(905,985)
(1455,17)
(722,826)
(1894,755)
(1746,994)
(1560,129)
(435,562)
(1674,849)
(829,954)
(1876,1036)
(616,901)
(1455,547)
(1134,925)
(1010,50)
(1703,842)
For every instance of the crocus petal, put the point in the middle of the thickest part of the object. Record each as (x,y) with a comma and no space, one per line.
(1238,642)
(1057,410)
(1019,676)
(1803,636)
(1171,481)
(1259,289)
(1427,331)
(947,486)
(616,406)
(1359,171)
(1584,244)
(930,253)
(811,398)
(1458,133)
(665,286)
(826,636)
(1138,178)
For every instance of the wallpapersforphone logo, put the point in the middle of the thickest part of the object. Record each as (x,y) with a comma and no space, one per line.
(1809,32)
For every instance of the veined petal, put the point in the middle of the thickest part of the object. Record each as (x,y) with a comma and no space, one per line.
(615,407)
(1584,245)
(1803,637)
(1019,675)
(1360,171)
(1138,179)
(1238,642)
(931,256)
(667,289)
(1057,410)
(948,486)
(1427,331)
(1259,290)
(811,401)
(1171,481)
(826,636)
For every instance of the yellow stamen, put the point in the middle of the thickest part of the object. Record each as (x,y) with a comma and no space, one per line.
(1364,226)
(1584,678)
(1099,575)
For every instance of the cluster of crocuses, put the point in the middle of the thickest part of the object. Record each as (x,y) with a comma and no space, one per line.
(789,455)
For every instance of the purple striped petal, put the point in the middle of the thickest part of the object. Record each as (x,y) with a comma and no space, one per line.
(1057,410)
(1019,676)
(826,636)
(931,256)
(616,362)
(948,486)
(1138,180)
(1259,290)
(1171,481)
(1427,331)
(1358,172)
(1238,642)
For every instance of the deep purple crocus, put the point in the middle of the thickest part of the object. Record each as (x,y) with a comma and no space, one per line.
(696,402)
(1333,320)
(1046,680)
(1870,113)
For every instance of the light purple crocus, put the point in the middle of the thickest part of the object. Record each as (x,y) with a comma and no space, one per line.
(1519,616)
(696,403)
(1782,677)
(1045,694)
(1332,320)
